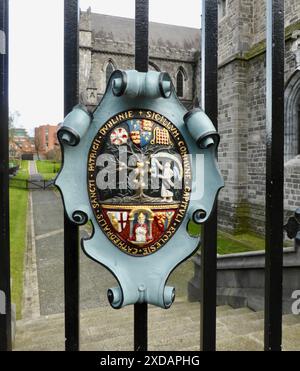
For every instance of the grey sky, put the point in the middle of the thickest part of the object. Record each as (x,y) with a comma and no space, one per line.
(36,49)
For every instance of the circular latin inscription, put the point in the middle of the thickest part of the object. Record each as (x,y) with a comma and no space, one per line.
(139,180)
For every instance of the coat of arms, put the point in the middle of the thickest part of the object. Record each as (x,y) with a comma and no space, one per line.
(141,189)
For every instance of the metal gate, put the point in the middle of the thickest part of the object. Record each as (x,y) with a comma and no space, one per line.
(274,175)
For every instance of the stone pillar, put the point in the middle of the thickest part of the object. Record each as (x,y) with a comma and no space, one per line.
(235,36)
(85,54)
(296,48)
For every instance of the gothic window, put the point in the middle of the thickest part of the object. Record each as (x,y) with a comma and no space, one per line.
(153,67)
(179,83)
(292,118)
(222,8)
(109,70)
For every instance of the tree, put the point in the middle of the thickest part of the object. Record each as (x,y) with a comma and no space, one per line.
(14,154)
(54,154)
(38,145)
(13,118)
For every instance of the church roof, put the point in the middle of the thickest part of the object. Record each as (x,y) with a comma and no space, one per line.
(121,29)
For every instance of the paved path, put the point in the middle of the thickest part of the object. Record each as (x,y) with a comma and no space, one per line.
(48,226)
(34,175)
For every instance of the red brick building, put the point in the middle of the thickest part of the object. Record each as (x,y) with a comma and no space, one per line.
(45,138)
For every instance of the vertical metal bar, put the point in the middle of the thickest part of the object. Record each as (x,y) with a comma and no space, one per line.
(141,65)
(209,236)
(274,174)
(71,231)
(142,35)
(141,327)
(5,315)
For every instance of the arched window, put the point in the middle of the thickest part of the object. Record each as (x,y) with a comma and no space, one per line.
(153,67)
(222,8)
(179,83)
(292,118)
(109,70)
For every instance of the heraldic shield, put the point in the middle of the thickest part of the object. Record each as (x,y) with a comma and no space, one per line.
(140,169)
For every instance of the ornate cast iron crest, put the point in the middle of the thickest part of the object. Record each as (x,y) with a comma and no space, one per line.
(140,169)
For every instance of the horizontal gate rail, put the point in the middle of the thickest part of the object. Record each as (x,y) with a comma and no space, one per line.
(5,295)
(274,174)
(31,184)
(39,184)
(48,184)
(35,184)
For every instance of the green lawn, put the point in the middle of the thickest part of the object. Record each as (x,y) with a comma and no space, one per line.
(48,169)
(13,163)
(19,181)
(23,171)
(230,244)
(18,214)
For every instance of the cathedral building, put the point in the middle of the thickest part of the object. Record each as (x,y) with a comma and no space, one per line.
(107,43)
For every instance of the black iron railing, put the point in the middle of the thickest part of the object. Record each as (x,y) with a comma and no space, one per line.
(5,319)
(31,184)
(71,230)
(209,236)
(141,65)
(274,175)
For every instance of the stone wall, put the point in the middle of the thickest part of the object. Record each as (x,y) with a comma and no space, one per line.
(229,31)
(242,117)
(241,279)
(256,130)
(292,185)
(233,147)
(292,16)
(97,50)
